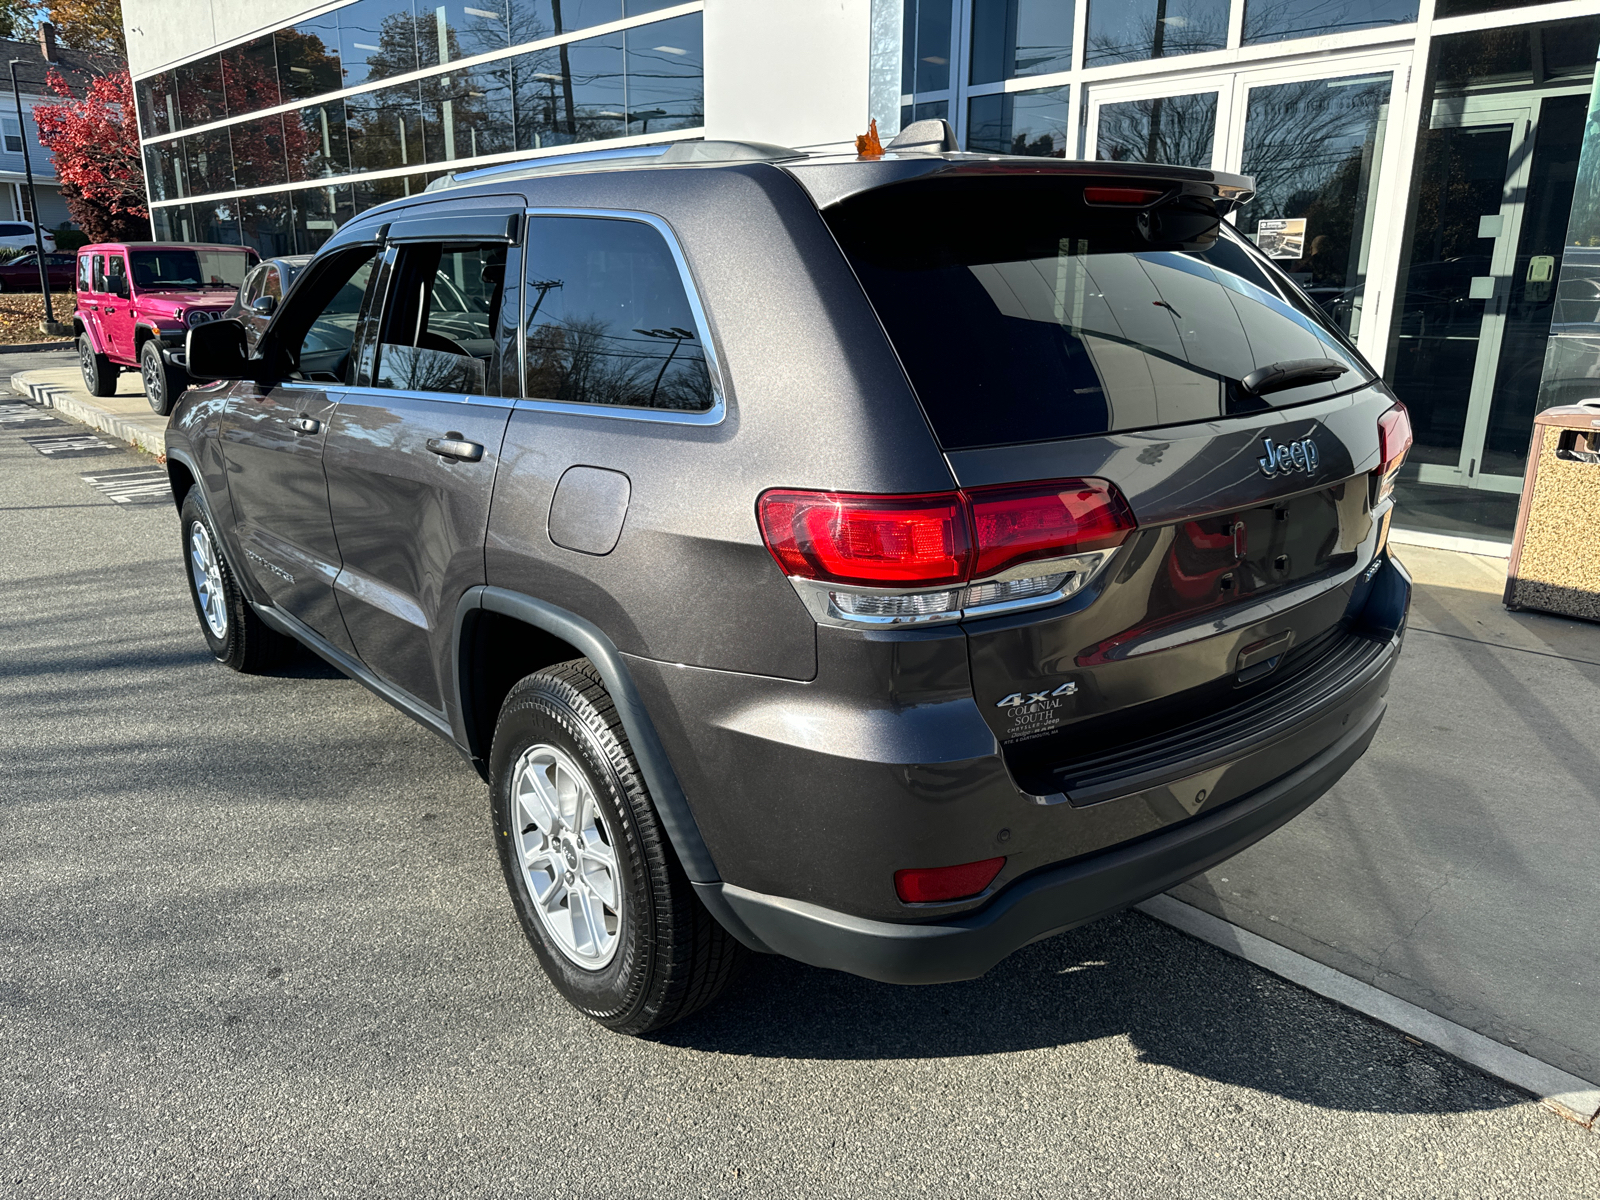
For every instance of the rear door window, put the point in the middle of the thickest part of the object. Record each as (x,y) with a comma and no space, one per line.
(438,332)
(1022,315)
(97,278)
(608,318)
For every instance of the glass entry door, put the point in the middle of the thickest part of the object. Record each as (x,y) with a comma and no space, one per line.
(1314,146)
(1494,186)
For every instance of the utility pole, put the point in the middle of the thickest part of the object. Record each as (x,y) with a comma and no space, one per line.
(33,203)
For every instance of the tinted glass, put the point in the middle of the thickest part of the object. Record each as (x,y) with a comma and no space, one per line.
(664,70)
(308,58)
(324,349)
(377,39)
(1022,315)
(250,77)
(607,317)
(258,151)
(1132,30)
(157,100)
(99,277)
(85,276)
(1276,20)
(1315,202)
(201,99)
(179,268)
(449,346)
(1020,123)
(1164,129)
(926,49)
(1020,37)
(117,275)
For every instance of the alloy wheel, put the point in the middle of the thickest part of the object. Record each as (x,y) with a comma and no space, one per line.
(567,856)
(205,568)
(86,363)
(150,368)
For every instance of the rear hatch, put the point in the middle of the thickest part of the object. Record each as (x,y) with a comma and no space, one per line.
(1056,326)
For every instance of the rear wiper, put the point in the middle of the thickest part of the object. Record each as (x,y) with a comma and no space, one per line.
(1291,373)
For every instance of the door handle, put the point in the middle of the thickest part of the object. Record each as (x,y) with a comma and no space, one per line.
(306,425)
(453,445)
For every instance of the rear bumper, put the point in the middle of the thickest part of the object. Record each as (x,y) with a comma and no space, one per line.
(1049,901)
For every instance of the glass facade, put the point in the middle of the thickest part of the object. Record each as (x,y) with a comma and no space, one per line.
(232,140)
(1417,168)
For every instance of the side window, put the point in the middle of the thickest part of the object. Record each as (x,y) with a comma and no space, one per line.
(99,277)
(85,274)
(608,319)
(315,334)
(249,289)
(117,276)
(438,330)
(269,284)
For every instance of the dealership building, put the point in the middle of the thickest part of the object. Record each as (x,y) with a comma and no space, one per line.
(1425,168)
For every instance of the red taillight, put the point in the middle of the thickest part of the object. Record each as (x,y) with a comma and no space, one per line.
(1015,525)
(871,540)
(1121,195)
(1394,436)
(924,885)
(940,538)
(1394,439)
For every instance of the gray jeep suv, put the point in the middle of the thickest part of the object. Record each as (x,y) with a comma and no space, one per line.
(884,561)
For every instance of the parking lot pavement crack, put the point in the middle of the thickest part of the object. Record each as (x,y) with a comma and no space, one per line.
(1428,903)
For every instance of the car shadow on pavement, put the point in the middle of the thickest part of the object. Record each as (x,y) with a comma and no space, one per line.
(1180,1004)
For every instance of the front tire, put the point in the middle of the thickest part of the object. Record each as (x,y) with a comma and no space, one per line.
(99,376)
(163,382)
(596,885)
(237,637)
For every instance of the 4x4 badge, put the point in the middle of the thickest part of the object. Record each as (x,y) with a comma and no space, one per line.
(1283,457)
(1018,699)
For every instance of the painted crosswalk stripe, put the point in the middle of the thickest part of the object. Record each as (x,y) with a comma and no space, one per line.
(136,485)
(70,445)
(25,416)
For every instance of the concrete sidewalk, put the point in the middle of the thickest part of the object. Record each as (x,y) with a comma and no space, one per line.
(1453,867)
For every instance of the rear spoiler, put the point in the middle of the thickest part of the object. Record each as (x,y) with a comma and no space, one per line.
(836,178)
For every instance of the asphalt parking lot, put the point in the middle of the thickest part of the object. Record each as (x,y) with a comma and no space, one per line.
(253,941)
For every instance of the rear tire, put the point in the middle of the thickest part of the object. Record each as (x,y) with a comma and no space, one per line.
(163,382)
(237,637)
(99,375)
(595,883)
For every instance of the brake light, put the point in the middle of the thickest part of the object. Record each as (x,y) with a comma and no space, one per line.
(1015,525)
(1121,195)
(871,540)
(924,885)
(884,547)
(1394,440)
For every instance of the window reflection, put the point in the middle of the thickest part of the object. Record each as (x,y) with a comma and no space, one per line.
(385,128)
(1278,20)
(1020,37)
(258,151)
(608,320)
(1164,129)
(1020,123)
(250,77)
(925,56)
(1134,30)
(1316,196)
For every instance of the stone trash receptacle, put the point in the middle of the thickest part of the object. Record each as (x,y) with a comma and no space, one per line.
(1555,559)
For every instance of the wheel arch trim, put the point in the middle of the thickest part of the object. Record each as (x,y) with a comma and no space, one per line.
(659,777)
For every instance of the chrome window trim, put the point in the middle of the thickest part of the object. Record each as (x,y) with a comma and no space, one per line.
(711,416)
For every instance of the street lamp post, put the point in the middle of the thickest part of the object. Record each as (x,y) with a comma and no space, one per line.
(33,202)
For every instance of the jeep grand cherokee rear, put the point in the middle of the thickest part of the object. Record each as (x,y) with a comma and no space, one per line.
(885,563)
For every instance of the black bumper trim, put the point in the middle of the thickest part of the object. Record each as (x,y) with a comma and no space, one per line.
(1049,902)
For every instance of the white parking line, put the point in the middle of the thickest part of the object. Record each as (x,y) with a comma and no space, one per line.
(135,485)
(1572,1097)
(69,445)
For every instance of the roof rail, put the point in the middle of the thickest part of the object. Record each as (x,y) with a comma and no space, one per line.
(662,154)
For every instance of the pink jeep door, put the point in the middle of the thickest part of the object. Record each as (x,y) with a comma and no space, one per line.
(116,309)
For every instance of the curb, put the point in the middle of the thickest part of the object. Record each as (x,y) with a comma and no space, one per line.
(63,344)
(147,433)
(1571,1097)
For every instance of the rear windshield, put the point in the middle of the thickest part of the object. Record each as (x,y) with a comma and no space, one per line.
(189,268)
(1023,315)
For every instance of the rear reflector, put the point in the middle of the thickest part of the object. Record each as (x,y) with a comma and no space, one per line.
(1394,440)
(923,885)
(933,540)
(1121,195)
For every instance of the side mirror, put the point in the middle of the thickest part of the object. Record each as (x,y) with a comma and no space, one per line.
(216,350)
(119,285)
(263,306)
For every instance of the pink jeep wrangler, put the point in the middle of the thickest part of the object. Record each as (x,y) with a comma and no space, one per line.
(136,300)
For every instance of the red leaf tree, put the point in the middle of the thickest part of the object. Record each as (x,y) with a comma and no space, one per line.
(95,143)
